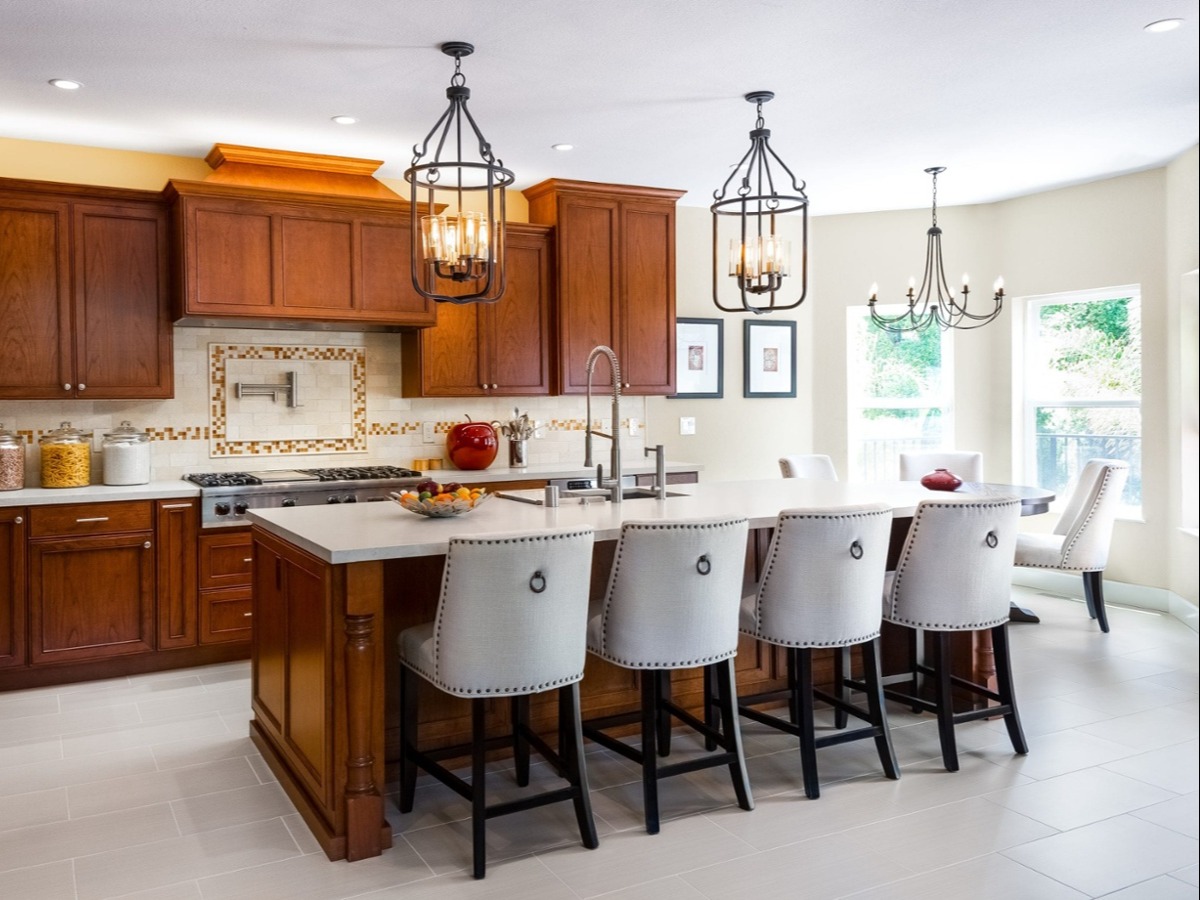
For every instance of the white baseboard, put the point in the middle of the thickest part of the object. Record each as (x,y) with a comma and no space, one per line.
(1135,595)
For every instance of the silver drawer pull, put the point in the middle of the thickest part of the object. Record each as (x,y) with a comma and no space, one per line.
(147,545)
(248,559)
(247,615)
(19,520)
(176,506)
(95,519)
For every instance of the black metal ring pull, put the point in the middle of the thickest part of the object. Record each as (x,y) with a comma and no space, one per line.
(992,540)
(856,550)
(537,583)
(704,565)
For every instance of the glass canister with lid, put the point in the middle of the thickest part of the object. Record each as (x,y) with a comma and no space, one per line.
(126,453)
(12,461)
(66,457)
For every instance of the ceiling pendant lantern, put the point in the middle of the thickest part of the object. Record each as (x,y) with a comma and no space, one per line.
(934,301)
(759,258)
(457,249)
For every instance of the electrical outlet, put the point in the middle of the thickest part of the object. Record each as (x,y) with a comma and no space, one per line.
(606,426)
(428,435)
(635,426)
(687,424)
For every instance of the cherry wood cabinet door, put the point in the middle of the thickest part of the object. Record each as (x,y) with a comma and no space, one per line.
(386,292)
(226,267)
(588,280)
(35,311)
(123,332)
(178,527)
(91,597)
(12,586)
(226,559)
(647,298)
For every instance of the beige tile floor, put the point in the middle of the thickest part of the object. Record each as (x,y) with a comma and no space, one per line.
(148,787)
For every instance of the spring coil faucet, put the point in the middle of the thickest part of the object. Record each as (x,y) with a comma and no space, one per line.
(615,437)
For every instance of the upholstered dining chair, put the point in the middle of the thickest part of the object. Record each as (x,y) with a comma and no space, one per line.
(1081,540)
(820,589)
(954,574)
(672,603)
(511,621)
(966,464)
(817,466)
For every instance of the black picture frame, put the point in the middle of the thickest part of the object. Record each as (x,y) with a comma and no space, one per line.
(699,359)
(769,359)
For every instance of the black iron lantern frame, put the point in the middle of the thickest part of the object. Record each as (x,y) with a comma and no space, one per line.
(457,256)
(934,301)
(759,257)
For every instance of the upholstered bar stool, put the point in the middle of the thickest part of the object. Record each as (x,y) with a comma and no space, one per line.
(816,466)
(1081,539)
(954,575)
(672,603)
(511,621)
(820,588)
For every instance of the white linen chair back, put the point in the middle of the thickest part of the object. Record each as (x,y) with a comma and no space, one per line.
(1087,519)
(822,579)
(817,466)
(512,615)
(966,464)
(954,572)
(673,595)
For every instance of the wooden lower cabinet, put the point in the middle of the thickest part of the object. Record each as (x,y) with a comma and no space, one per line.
(177,525)
(12,586)
(226,591)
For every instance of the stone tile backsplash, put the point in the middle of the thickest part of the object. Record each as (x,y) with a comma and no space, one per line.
(352,412)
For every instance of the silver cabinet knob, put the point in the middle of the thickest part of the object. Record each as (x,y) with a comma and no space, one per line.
(66,387)
(82,386)
(19,520)
(147,545)
(494,386)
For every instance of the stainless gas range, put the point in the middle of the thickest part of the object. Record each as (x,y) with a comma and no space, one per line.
(226,496)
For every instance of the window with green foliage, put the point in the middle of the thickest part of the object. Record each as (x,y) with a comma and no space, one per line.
(899,389)
(1083,386)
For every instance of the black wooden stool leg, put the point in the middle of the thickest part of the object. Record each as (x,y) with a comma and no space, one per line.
(842,670)
(650,685)
(793,688)
(1004,687)
(1093,591)
(570,748)
(712,713)
(478,792)
(520,722)
(803,699)
(916,655)
(731,736)
(409,689)
(945,702)
(877,710)
(664,715)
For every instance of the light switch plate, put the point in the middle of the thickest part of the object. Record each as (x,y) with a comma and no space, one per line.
(687,424)
(428,435)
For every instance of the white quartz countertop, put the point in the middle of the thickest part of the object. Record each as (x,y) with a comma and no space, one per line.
(548,471)
(98,493)
(373,531)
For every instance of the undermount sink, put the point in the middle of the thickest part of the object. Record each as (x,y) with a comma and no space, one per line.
(635,492)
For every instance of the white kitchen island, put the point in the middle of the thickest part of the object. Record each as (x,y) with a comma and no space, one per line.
(333,585)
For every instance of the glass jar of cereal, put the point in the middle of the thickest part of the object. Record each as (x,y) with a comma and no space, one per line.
(66,457)
(12,461)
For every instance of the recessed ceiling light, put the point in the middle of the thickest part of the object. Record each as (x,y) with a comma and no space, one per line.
(562,147)
(345,120)
(1163,25)
(66,84)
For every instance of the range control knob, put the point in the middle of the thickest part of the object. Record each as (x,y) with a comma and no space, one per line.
(221,509)
(240,507)
(289,501)
(332,499)
(349,498)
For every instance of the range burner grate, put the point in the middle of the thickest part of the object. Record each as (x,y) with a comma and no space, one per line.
(362,473)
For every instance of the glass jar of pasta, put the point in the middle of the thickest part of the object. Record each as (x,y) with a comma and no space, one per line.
(66,457)
(126,454)
(12,461)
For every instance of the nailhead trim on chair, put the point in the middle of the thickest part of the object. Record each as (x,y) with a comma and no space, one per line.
(650,526)
(437,627)
(1108,470)
(933,626)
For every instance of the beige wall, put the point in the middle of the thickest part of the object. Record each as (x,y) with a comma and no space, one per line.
(1137,228)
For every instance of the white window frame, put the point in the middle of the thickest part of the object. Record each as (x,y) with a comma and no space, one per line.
(1026,403)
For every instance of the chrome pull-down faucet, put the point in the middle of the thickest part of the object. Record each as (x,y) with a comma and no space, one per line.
(615,437)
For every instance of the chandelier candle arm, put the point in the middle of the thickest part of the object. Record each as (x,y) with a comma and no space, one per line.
(758,262)
(934,301)
(457,253)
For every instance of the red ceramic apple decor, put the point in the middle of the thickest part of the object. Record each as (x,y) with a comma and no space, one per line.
(472,445)
(941,480)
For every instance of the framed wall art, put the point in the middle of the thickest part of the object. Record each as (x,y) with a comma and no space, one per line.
(769,359)
(699,359)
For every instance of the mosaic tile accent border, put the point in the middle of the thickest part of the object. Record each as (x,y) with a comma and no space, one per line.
(221,445)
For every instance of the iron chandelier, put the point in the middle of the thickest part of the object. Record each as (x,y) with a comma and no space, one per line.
(457,252)
(934,301)
(759,258)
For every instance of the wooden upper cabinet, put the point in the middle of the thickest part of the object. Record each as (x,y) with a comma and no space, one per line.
(616,280)
(84,293)
(246,253)
(492,349)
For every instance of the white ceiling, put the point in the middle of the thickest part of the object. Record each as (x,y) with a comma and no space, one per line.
(1013,97)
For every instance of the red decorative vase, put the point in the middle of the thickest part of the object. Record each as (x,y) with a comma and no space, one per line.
(941,480)
(472,445)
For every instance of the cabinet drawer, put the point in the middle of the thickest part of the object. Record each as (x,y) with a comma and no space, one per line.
(226,560)
(91,518)
(225,616)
